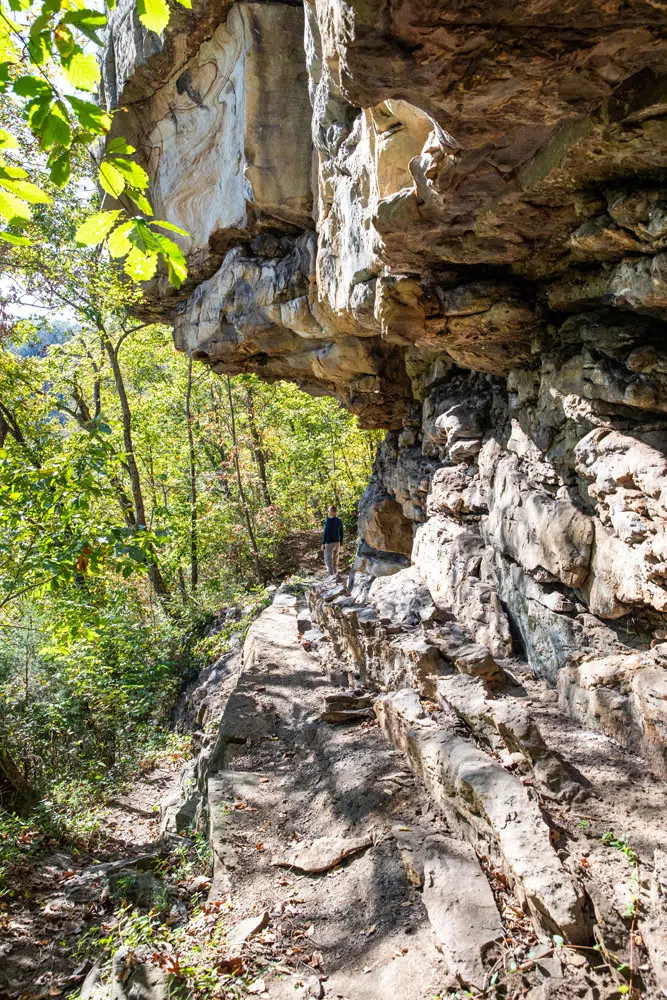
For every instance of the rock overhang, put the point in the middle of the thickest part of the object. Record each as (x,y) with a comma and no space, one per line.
(452,218)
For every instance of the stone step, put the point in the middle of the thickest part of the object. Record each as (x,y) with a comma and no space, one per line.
(461,908)
(489,804)
(506,723)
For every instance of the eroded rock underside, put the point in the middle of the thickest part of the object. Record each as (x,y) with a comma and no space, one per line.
(453,218)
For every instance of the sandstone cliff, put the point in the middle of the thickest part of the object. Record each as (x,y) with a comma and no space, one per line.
(451,216)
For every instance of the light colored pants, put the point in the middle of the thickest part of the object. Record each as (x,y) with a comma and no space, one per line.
(331,556)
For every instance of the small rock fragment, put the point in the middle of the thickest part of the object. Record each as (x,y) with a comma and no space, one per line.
(323,853)
(240,934)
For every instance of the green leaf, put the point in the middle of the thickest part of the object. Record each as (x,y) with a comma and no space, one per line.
(118,243)
(153,14)
(111,180)
(135,176)
(142,237)
(13,209)
(172,253)
(171,226)
(623,988)
(37,111)
(140,266)
(20,4)
(87,21)
(142,203)
(40,48)
(26,190)
(30,86)
(82,71)
(66,44)
(119,145)
(19,241)
(14,173)
(56,130)
(95,229)
(7,140)
(90,116)
(60,169)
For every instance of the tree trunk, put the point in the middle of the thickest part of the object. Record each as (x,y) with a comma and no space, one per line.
(239,484)
(194,556)
(257,449)
(12,775)
(154,572)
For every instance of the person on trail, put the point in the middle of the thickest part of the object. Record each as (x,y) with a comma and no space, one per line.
(332,539)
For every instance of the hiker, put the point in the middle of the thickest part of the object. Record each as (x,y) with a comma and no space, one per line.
(332,539)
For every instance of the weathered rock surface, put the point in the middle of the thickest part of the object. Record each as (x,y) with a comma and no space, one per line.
(460,906)
(452,219)
(494,804)
(344,172)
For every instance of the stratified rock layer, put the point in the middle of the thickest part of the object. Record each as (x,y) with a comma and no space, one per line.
(453,218)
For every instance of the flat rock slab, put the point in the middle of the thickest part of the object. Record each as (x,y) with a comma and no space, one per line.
(238,935)
(460,906)
(342,715)
(323,854)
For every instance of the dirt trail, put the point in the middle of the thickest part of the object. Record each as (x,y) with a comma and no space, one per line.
(361,925)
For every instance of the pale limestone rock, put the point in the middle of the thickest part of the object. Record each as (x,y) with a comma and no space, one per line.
(546,535)
(398,599)
(625,696)
(322,854)
(449,557)
(461,907)
(495,803)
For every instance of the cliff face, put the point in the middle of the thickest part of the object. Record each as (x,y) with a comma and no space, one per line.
(453,218)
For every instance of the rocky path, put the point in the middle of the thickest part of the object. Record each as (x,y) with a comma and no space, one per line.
(295,797)
(454,837)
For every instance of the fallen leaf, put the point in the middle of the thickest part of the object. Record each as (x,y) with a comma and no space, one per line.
(257,987)
(231,965)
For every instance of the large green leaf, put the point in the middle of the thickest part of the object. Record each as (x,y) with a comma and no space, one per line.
(87,21)
(82,71)
(26,190)
(119,145)
(13,209)
(31,86)
(173,254)
(140,266)
(118,243)
(7,140)
(60,168)
(11,172)
(56,129)
(153,14)
(140,200)
(90,116)
(135,176)
(111,180)
(170,225)
(19,241)
(37,111)
(96,228)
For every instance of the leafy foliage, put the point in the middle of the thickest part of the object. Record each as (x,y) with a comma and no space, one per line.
(47,69)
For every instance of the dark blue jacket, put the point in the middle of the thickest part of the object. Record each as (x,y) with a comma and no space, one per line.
(333,530)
